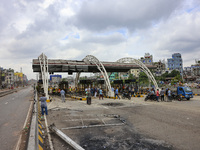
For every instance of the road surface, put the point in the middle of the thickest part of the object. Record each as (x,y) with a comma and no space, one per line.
(149,125)
(13,111)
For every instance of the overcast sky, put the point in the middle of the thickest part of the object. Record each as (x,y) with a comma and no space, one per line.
(107,29)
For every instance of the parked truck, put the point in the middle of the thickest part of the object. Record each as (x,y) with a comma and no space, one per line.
(183,92)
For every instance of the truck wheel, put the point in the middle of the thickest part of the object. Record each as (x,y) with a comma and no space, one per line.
(188,99)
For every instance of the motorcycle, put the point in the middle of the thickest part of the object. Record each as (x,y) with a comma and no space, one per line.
(126,95)
(150,97)
(176,97)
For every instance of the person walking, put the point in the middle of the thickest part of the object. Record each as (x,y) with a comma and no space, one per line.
(100,94)
(43,104)
(62,93)
(157,95)
(162,93)
(117,93)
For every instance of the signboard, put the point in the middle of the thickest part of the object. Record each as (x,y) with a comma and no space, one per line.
(55,78)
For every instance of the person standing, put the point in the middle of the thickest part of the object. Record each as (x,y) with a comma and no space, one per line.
(62,93)
(169,95)
(132,91)
(157,95)
(117,93)
(166,93)
(162,93)
(100,94)
(70,90)
(112,89)
(43,104)
(95,92)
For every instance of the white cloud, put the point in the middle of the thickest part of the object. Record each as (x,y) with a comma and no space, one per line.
(108,30)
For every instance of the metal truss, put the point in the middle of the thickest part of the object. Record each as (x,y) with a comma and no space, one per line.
(92,59)
(143,67)
(44,71)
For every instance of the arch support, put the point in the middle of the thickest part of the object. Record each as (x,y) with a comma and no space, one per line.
(101,68)
(44,71)
(143,67)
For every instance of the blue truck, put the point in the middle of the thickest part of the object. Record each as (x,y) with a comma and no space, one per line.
(184,92)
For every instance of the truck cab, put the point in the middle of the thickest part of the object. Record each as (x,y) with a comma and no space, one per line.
(185,92)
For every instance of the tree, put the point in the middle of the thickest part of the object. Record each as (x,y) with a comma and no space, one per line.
(174,73)
(143,78)
(131,76)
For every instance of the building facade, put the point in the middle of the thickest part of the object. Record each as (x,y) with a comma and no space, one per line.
(147,59)
(175,63)
(160,68)
(135,72)
(192,73)
(9,78)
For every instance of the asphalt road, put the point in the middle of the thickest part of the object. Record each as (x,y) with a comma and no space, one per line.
(150,125)
(13,111)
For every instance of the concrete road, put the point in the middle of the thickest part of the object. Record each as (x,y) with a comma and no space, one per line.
(176,123)
(13,111)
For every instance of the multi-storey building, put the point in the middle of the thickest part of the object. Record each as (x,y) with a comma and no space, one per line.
(160,68)
(147,59)
(196,68)
(9,80)
(175,63)
(135,72)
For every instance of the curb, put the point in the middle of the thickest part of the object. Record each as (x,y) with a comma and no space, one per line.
(110,97)
(40,137)
(78,98)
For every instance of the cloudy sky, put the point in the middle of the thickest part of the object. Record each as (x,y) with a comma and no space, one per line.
(107,29)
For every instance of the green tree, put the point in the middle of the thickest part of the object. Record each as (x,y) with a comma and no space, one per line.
(131,76)
(143,78)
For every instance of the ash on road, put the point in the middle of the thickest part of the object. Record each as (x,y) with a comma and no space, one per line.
(149,125)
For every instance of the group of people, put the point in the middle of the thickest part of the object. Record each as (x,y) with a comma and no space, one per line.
(98,91)
(94,91)
(161,94)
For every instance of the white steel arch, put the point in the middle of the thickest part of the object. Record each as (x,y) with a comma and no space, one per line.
(44,71)
(93,59)
(143,67)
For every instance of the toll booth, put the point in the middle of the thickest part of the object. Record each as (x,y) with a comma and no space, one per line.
(101,83)
(64,85)
(84,84)
(119,84)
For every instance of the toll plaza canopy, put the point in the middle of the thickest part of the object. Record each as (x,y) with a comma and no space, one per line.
(58,65)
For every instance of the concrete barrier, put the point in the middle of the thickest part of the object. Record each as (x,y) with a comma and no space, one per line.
(33,137)
(35,141)
(3,93)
